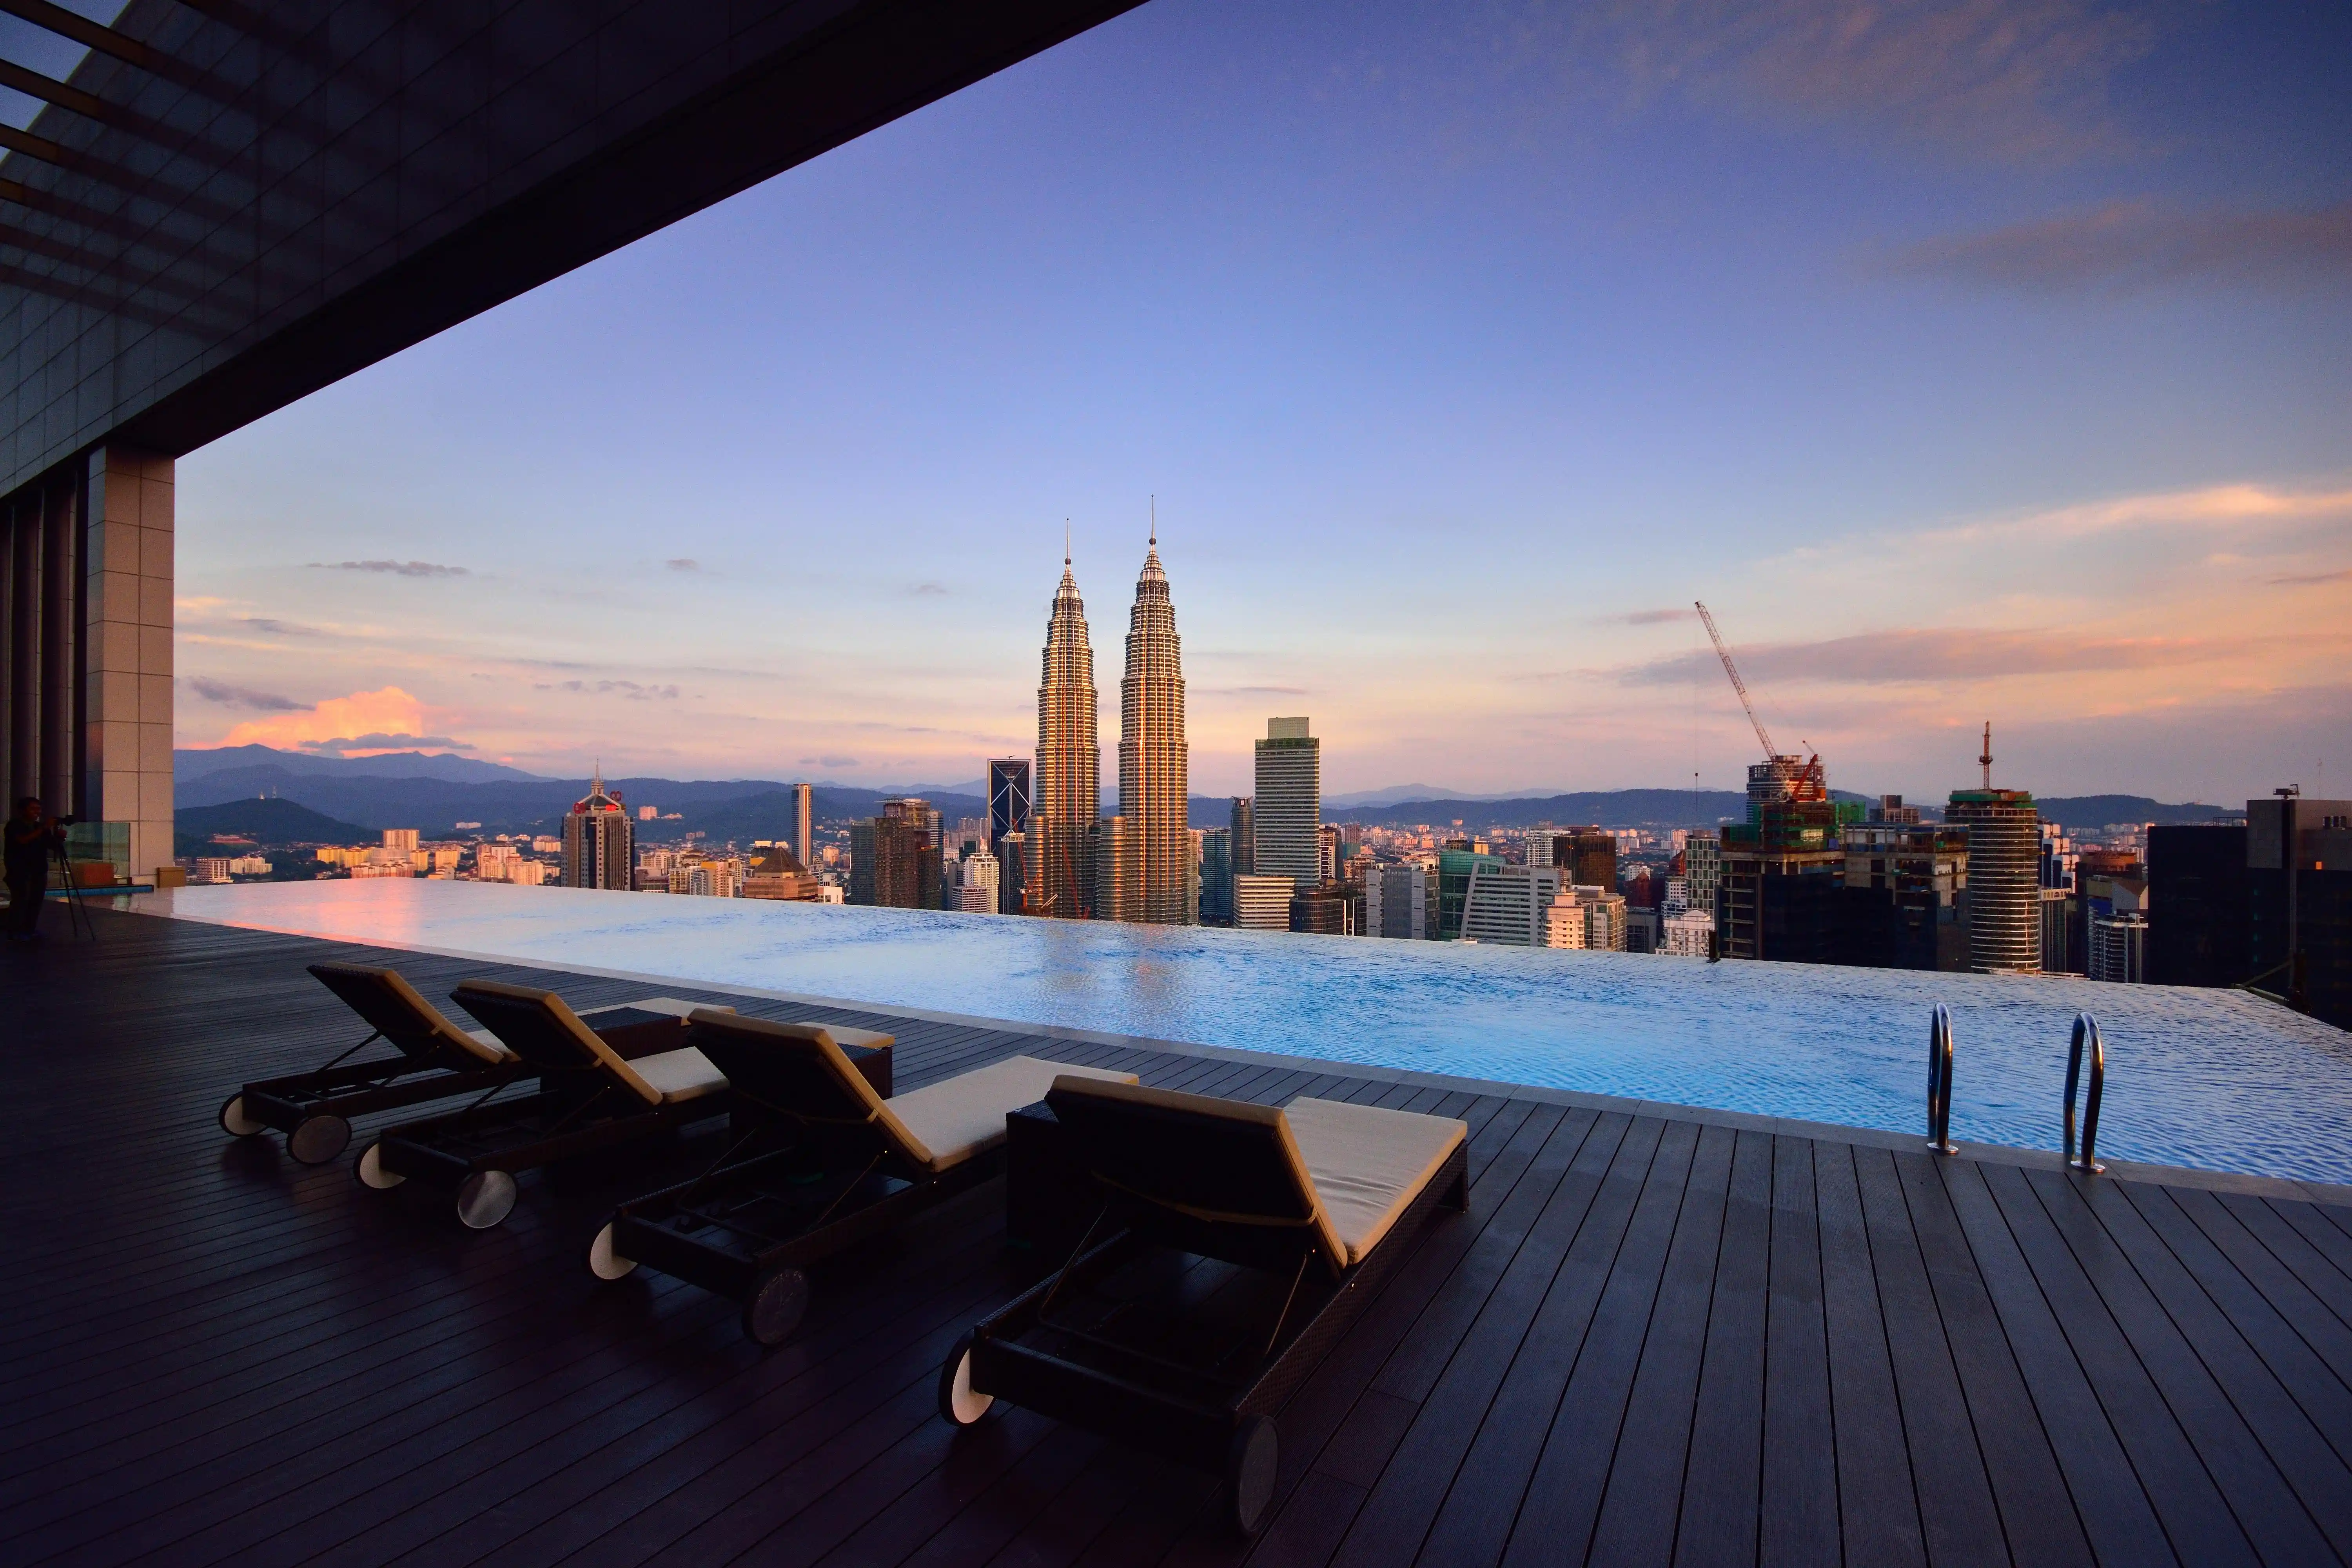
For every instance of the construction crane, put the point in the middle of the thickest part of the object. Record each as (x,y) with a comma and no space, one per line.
(1738,685)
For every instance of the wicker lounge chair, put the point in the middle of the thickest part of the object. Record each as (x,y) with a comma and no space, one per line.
(1236,1243)
(829,1163)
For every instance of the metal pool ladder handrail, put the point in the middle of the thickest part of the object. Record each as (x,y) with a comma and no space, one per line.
(2086,1028)
(1939,1081)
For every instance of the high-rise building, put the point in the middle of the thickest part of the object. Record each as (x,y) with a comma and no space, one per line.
(600,843)
(778,874)
(1702,872)
(804,823)
(976,883)
(1155,777)
(1689,935)
(1119,869)
(2299,903)
(2197,897)
(1397,901)
(1328,908)
(1454,869)
(403,840)
(1777,873)
(2004,879)
(1584,854)
(2119,949)
(1508,905)
(1906,887)
(1010,801)
(1012,873)
(1244,836)
(894,858)
(1263,902)
(1287,810)
(1069,765)
(1216,876)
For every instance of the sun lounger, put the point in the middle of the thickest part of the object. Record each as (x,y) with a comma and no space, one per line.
(833,1164)
(591,1100)
(435,1059)
(1234,1245)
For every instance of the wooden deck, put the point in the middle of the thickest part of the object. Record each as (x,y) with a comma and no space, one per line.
(1651,1340)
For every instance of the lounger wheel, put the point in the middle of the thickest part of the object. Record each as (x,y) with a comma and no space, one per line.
(369,1169)
(958,1401)
(316,1140)
(1250,1465)
(602,1261)
(485,1199)
(775,1306)
(236,1123)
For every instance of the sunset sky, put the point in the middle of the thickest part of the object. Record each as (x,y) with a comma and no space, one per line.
(1970,360)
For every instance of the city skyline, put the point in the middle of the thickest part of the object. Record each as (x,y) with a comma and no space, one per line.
(2013,391)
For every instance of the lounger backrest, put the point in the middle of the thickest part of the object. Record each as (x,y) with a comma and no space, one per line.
(800,1070)
(1225,1161)
(392,1007)
(537,1026)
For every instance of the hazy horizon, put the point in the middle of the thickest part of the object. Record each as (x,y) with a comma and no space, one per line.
(1981,365)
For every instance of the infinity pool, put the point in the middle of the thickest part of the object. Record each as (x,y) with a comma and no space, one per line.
(2214,1079)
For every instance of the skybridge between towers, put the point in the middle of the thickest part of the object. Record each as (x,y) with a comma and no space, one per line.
(227,205)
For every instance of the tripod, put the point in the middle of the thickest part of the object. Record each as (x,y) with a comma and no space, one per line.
(76,912)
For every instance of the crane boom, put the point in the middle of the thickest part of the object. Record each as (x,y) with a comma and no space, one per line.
(1738,685)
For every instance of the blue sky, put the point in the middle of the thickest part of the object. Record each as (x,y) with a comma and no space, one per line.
(1970,360)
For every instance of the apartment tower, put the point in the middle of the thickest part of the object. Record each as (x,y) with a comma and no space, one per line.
(600,843)
(1069,765)
(1154,772)
(1287,811)
(2004,873)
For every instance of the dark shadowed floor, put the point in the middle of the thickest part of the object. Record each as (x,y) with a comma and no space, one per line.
(1651,1340)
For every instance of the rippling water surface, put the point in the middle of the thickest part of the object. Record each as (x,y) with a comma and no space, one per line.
(2214,1078)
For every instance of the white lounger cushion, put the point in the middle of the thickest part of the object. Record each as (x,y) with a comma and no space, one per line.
(682,1073)
(947,1122)
(489,1042)
(1369,1163)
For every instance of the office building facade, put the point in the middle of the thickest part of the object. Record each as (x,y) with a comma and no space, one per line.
(1263,902)
(1508,905)
(1117,860)
(1287,812)
(2299,903)
(2197,895)
(1216,876)
(1397,902)
(2119,949)
(599,842)
(1155,777)
(1011,800)
(2004,879)
(1244,831)
(1068,779)
(895,857)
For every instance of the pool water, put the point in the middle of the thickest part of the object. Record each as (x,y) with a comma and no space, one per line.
(2211,1078)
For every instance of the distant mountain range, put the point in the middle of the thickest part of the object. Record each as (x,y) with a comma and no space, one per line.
(362,795)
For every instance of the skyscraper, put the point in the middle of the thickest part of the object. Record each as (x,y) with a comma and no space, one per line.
(1009,800)
(1069,763)
(803,809)
(600,843)
(1287,810)
(2004,874)
(1244,831)
(1154,771)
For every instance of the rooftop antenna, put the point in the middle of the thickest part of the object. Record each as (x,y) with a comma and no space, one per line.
(1984,761)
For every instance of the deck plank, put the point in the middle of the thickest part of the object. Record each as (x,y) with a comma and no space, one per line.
(1650,1337)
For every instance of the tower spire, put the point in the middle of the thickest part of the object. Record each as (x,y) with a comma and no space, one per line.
(1065,542)
(1984,761)
(1155,522)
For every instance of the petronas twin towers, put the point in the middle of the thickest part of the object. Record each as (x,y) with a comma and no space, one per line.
(1137,865)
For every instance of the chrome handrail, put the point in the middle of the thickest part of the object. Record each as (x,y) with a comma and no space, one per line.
(2086,1028)
(1939,1081)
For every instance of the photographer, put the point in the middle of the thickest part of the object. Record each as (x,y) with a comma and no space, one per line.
(31,839)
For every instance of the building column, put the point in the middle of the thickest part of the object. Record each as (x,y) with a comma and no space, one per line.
(24,737)
(58,504)
(127,648)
